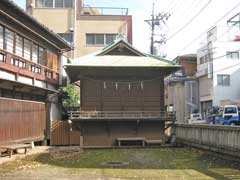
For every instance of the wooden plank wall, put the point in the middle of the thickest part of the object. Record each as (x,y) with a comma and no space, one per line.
(21,121)
(61,134)
(100,97)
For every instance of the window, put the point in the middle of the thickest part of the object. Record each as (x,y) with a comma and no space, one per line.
(100,39)
(41,56)
(9,36)
(233,55)
(19,46)
(48,3)
(54,3)
(230,110)
(223,80)
(68,3)
(39,3)
(58,3)
(18,63)
(202,60)
(67,36)
(1,37)
(2,57)
(35,69)
(27,49)
(49,74)
(35,53)
(110,38)
(90,39)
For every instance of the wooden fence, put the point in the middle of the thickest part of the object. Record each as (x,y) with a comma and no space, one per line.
(21,121)
(61,134)
(224,139)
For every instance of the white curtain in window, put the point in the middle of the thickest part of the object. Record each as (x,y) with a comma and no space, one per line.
(27,49)
(9,35)
(41,56)
(35,53)
(19,45)
(1,37)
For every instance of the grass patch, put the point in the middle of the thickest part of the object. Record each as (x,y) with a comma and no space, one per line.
(152,163)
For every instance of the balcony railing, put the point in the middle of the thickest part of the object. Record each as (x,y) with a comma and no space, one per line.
(104,11)
(16,64)
(121,115)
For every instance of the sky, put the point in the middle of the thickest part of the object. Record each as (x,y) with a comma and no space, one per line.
(189,19)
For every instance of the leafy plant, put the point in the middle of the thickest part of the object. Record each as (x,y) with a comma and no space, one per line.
(71,96)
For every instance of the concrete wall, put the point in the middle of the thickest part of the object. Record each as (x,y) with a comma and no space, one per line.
(96,27)
(58,20)
(221,139)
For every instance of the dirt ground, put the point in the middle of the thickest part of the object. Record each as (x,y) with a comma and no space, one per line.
(65,163)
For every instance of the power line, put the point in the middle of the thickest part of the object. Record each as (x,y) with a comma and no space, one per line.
(219,57)
(191,20)
(170,5)
(222,17)
(186,13)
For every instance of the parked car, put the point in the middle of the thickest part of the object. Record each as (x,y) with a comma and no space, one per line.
(196,118)
(212,115)
(231,115)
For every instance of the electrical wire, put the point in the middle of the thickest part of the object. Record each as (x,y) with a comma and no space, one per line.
(219,57)
(190,21)
(199,36)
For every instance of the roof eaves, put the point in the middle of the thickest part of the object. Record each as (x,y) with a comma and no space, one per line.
(161,59)
(117,41)
(45,28)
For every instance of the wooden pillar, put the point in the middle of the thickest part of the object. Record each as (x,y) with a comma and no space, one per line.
(81,144)
(161,82)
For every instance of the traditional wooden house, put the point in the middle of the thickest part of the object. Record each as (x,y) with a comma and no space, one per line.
(30,72)
(122,96)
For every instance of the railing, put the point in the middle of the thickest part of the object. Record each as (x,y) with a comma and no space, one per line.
(214,137)
(84,115)
(14,63)
(104,11)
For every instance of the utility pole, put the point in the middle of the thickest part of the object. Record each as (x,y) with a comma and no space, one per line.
(157,21)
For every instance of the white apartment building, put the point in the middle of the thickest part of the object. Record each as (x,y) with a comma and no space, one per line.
(218,65)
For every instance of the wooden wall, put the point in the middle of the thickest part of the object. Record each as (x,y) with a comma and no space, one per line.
(61,134)
(146,97)
(21,121)
(103,134)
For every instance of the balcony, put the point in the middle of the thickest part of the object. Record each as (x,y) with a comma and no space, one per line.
(121,115)
(104,11)
(18,65)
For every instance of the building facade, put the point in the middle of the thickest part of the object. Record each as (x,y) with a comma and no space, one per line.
(30,73)
(122,96)
(89,29)
(181,88)
(218,65)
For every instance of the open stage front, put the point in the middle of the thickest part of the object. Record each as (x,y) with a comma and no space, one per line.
(105,134)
